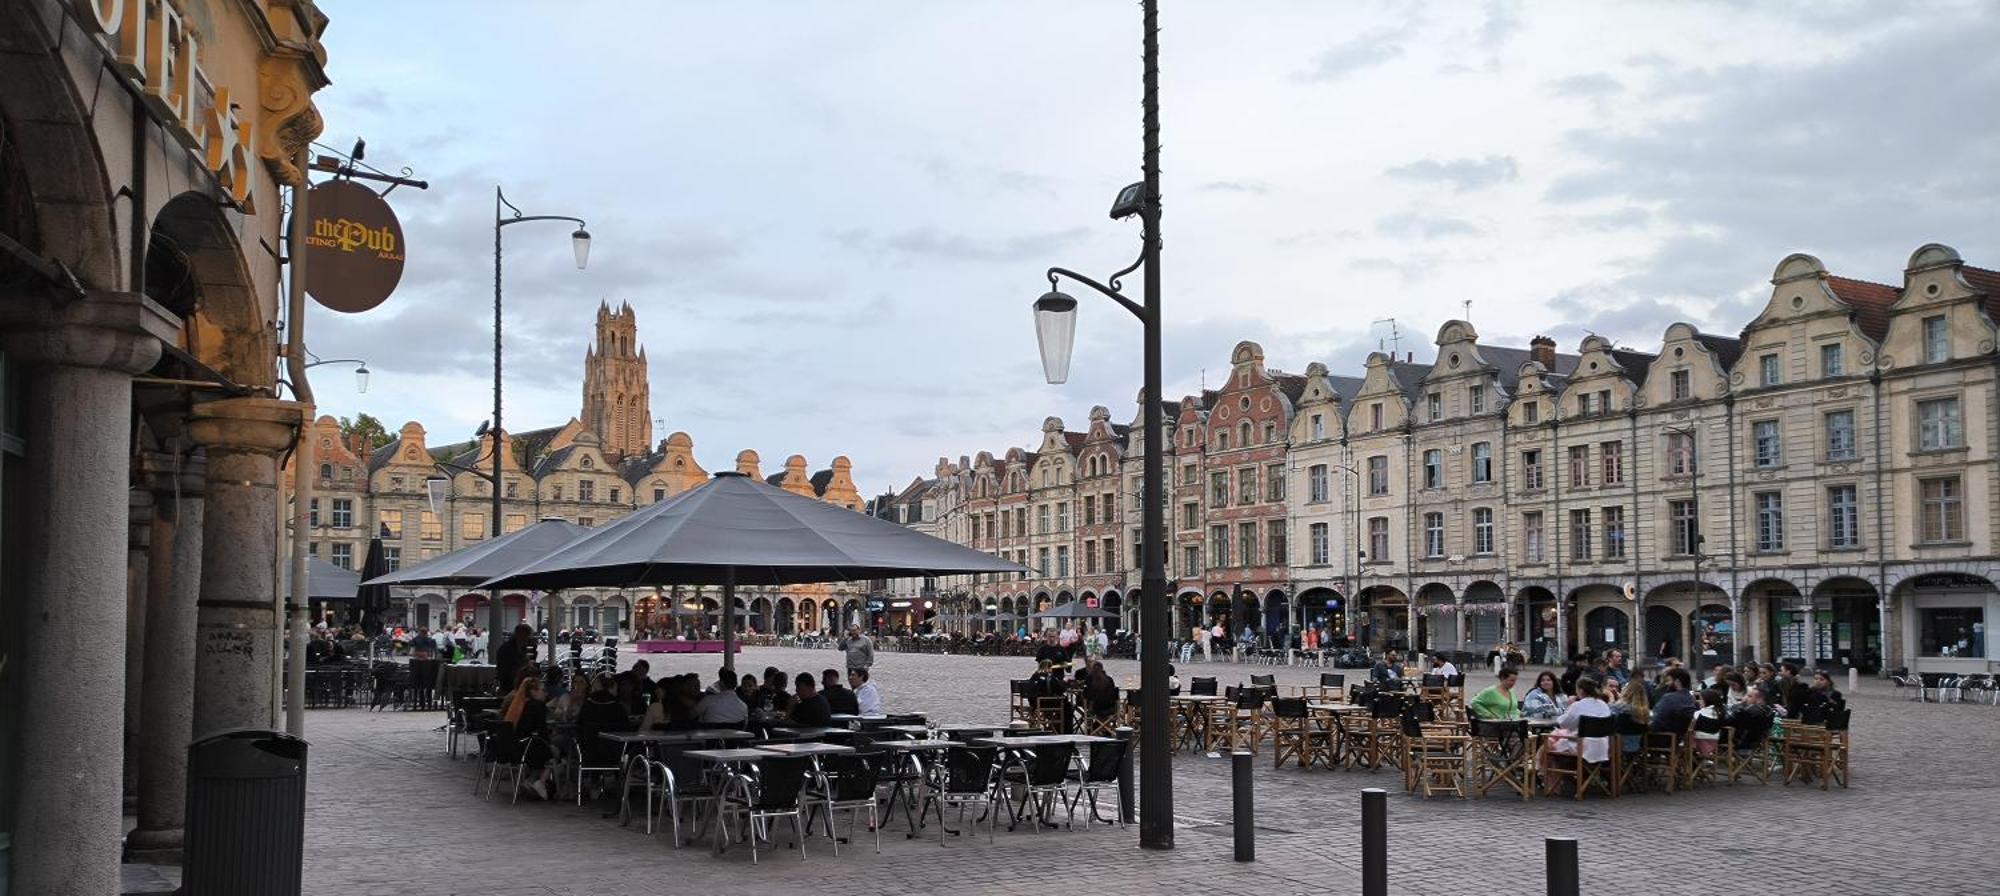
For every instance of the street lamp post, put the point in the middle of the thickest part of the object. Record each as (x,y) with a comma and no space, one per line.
(1055,331)
(360,371)
(579,244)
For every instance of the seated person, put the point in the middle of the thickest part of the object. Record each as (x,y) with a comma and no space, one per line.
(838,696)
(810,709)
(1442,666)
(1387,670)
(1751,720)
(721,706)
(1100,693)
(1546,699)
(1496,703)
(670,710)
(865,694)
(1674,710)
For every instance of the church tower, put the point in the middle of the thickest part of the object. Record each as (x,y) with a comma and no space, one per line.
(617,403)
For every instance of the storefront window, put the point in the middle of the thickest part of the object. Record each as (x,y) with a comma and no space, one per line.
(1713,635)
(1952,631)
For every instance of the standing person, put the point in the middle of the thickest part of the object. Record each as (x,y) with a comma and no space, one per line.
(860,649)
(512,655)
(1207,650)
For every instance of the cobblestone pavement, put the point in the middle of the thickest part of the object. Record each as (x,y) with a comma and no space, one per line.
(390,813)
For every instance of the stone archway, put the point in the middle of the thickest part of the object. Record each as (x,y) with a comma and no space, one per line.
(1385,618)
(1539,626)
(59,205)
(1436,619)
(1277,614)
(1852,637)
(194,268)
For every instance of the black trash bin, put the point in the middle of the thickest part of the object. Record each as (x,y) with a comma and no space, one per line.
(246,814)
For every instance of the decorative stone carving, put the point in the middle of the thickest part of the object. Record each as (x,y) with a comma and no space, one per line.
(290,122)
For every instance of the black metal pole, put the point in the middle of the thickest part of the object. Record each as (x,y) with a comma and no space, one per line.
(493,614)
(1374,842)
(1156,787)
(1244,817)
(1561,859)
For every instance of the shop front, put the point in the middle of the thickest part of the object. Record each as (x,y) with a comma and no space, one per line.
(1946,620)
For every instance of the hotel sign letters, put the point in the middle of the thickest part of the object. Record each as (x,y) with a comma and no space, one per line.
(159,53)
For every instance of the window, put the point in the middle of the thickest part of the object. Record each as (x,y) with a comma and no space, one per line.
(391,520)
(1190,561)
(1686,527)
(1434,406)
(1604,401)
(1938,426)
(1191,516)
(1434,468)
(1062,561)
(1090,510)
(1274,534)
(1770,521)
(1318,544)
(1952,631)
(1531,411)
(1378,539)
(1482,462)
(1110,552)
(556,493)
(1246,440)
(1246,485)
(1942,510)
(659,494)
(1222,440)
(1482,530)
(1021,523)
(392,556)
(1433,534)
(1614,533)
(1475,398)
(326,471)
(1062,516)
(1188,475)
(1767,370)
(1218,546)
(1586,404)
(1318,427)
(1089,557)
(1531,537)
(1375,415)
(1830,361)
(1611,462)
(429,527)
(471,526)
(1246,543)
(312,550)
(343,555)
(1042,562)
(1579,466)
(1274,483)
(1840,435)
(1843,517)
(1316,483)
(1378,475)
(312,513)
(1218,489)
(343,513)
(1270,433)
(514,522)
(1579,535)
(1764,443)
(1937,342)
(975,527)
(614,495)
(1680,382)
(1531,469)
(1680,454)
(1042,520)
(586,491)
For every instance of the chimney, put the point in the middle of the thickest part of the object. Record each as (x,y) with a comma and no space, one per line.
(1543,350)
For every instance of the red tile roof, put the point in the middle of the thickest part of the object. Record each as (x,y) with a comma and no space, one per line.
(1987,282)
(1870,301)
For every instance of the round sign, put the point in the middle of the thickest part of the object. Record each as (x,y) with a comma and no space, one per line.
(354,247)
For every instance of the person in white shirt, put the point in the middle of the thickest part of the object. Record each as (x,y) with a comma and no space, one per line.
(1442,666)
(721,706)
(1588,702)
(866,697)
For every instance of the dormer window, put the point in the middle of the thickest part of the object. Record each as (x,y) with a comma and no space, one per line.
(1531,412)
(1434,406)
(1830,361)
(1767,370)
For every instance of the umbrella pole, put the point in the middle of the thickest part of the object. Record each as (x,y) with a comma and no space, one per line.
(729,620)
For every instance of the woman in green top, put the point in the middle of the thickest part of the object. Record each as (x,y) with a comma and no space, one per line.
(1497,702)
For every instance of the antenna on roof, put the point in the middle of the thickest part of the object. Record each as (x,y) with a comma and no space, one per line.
(1394,344)
(1468,310)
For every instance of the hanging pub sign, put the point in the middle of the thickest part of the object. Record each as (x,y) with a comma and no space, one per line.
(354,247)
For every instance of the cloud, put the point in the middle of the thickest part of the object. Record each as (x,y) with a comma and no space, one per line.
(1503,19)
(1461,174)
(1592,85)
(935,243)
(1347,57)
(1415,224)
(1235,186)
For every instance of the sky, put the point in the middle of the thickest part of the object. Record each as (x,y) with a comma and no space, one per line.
(831,218)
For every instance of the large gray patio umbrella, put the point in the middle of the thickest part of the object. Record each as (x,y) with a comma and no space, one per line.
(325,581)
(470,566)
(736,530)
(1075,610)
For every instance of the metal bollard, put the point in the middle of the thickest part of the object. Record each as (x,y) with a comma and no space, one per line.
(1246,810)
(1128,813)
(1561,857)
(1374,842)
(1853,680)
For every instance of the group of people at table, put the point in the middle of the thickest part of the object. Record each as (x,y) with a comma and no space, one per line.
(544,717)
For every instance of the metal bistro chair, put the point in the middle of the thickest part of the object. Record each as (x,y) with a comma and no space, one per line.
(964,778)
(1107,761)
(772,788)
(848,782)
(596,756)
(1043,774)
(665,781)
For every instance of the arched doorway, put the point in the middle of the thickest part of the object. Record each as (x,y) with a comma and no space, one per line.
(1850,633)
(1277,616)
(1483,617)
(1946,620)
(1217,612)
(786,621)
(1782,610)
(1538,625)
(469,608)
(1190,612)
(760,616)
(1324,614)
(1385,618)
(1711,636)
(1436,619)
(1112,603)
(1663,632)
(1605,628)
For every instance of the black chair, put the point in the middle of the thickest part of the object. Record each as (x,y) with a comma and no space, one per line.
(1581,773)
(1333,681)
(963,778)
(1043,773)
(1264,681)
(848,782)
(1201,687)
(1502,754)
(772,788)
(1107,762)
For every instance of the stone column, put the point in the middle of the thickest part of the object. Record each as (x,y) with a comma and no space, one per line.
(173,589)
(140,519)
(236,622)
(78,356)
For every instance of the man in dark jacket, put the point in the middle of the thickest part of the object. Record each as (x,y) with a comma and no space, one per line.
(838,697)
(513,654)
(1673,711)
(1387,669)
(809,706)
(1789,690)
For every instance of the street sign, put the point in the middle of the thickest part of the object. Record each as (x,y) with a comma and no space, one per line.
(354,247)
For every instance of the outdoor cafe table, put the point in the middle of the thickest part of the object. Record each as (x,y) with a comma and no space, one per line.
(911,730)
(809,733)
(908,751)
(728,758)
(1194,709)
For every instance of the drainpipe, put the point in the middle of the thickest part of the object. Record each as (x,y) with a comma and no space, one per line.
(1551,535)
(302,460)
(1881,532)
(1409,547)
(1735,593)
(1632,527)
